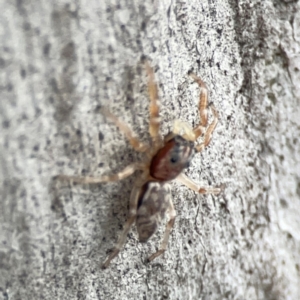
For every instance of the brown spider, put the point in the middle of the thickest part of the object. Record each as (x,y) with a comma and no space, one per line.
(166,159)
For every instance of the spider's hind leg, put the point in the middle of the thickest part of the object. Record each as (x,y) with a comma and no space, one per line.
(121,240)
(132,216)
(129,170)
(169,226)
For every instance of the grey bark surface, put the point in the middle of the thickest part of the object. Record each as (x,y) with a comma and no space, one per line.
(60,60)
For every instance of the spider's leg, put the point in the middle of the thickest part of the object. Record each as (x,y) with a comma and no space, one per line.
(127,226)
(154,122)
(108,178)
(209,131)
(169,226)
(203,99)
(130,135)
(193,185)
(121,241)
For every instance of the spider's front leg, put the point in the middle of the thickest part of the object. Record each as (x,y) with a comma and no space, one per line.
(154,120)
(130,135)
(201,127)
(202,106)
(209,131)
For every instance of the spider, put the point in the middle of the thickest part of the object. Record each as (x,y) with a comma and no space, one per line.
(167,157)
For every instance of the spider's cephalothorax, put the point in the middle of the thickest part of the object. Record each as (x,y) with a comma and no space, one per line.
(171,159)
(151,197)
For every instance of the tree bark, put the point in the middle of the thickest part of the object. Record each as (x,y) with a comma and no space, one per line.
(62,60)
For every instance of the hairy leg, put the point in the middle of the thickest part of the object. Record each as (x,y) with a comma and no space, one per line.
(130,135)
(182,178)
(127,226)
(154,122)
(169,226)
(202,106)
(129,170)
(121,241)
(209,131)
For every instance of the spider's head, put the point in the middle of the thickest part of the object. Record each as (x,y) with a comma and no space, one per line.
(172,158)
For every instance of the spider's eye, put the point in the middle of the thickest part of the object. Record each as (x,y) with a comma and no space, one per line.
(174,159)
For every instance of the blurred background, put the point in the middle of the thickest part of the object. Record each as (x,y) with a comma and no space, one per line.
(61,60)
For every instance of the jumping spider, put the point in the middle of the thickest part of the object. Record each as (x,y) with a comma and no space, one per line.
(167,157)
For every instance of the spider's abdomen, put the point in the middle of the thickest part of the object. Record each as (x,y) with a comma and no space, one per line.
(170,160)
(154,200)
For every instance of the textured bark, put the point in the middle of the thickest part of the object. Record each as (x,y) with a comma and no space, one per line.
(60,60)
